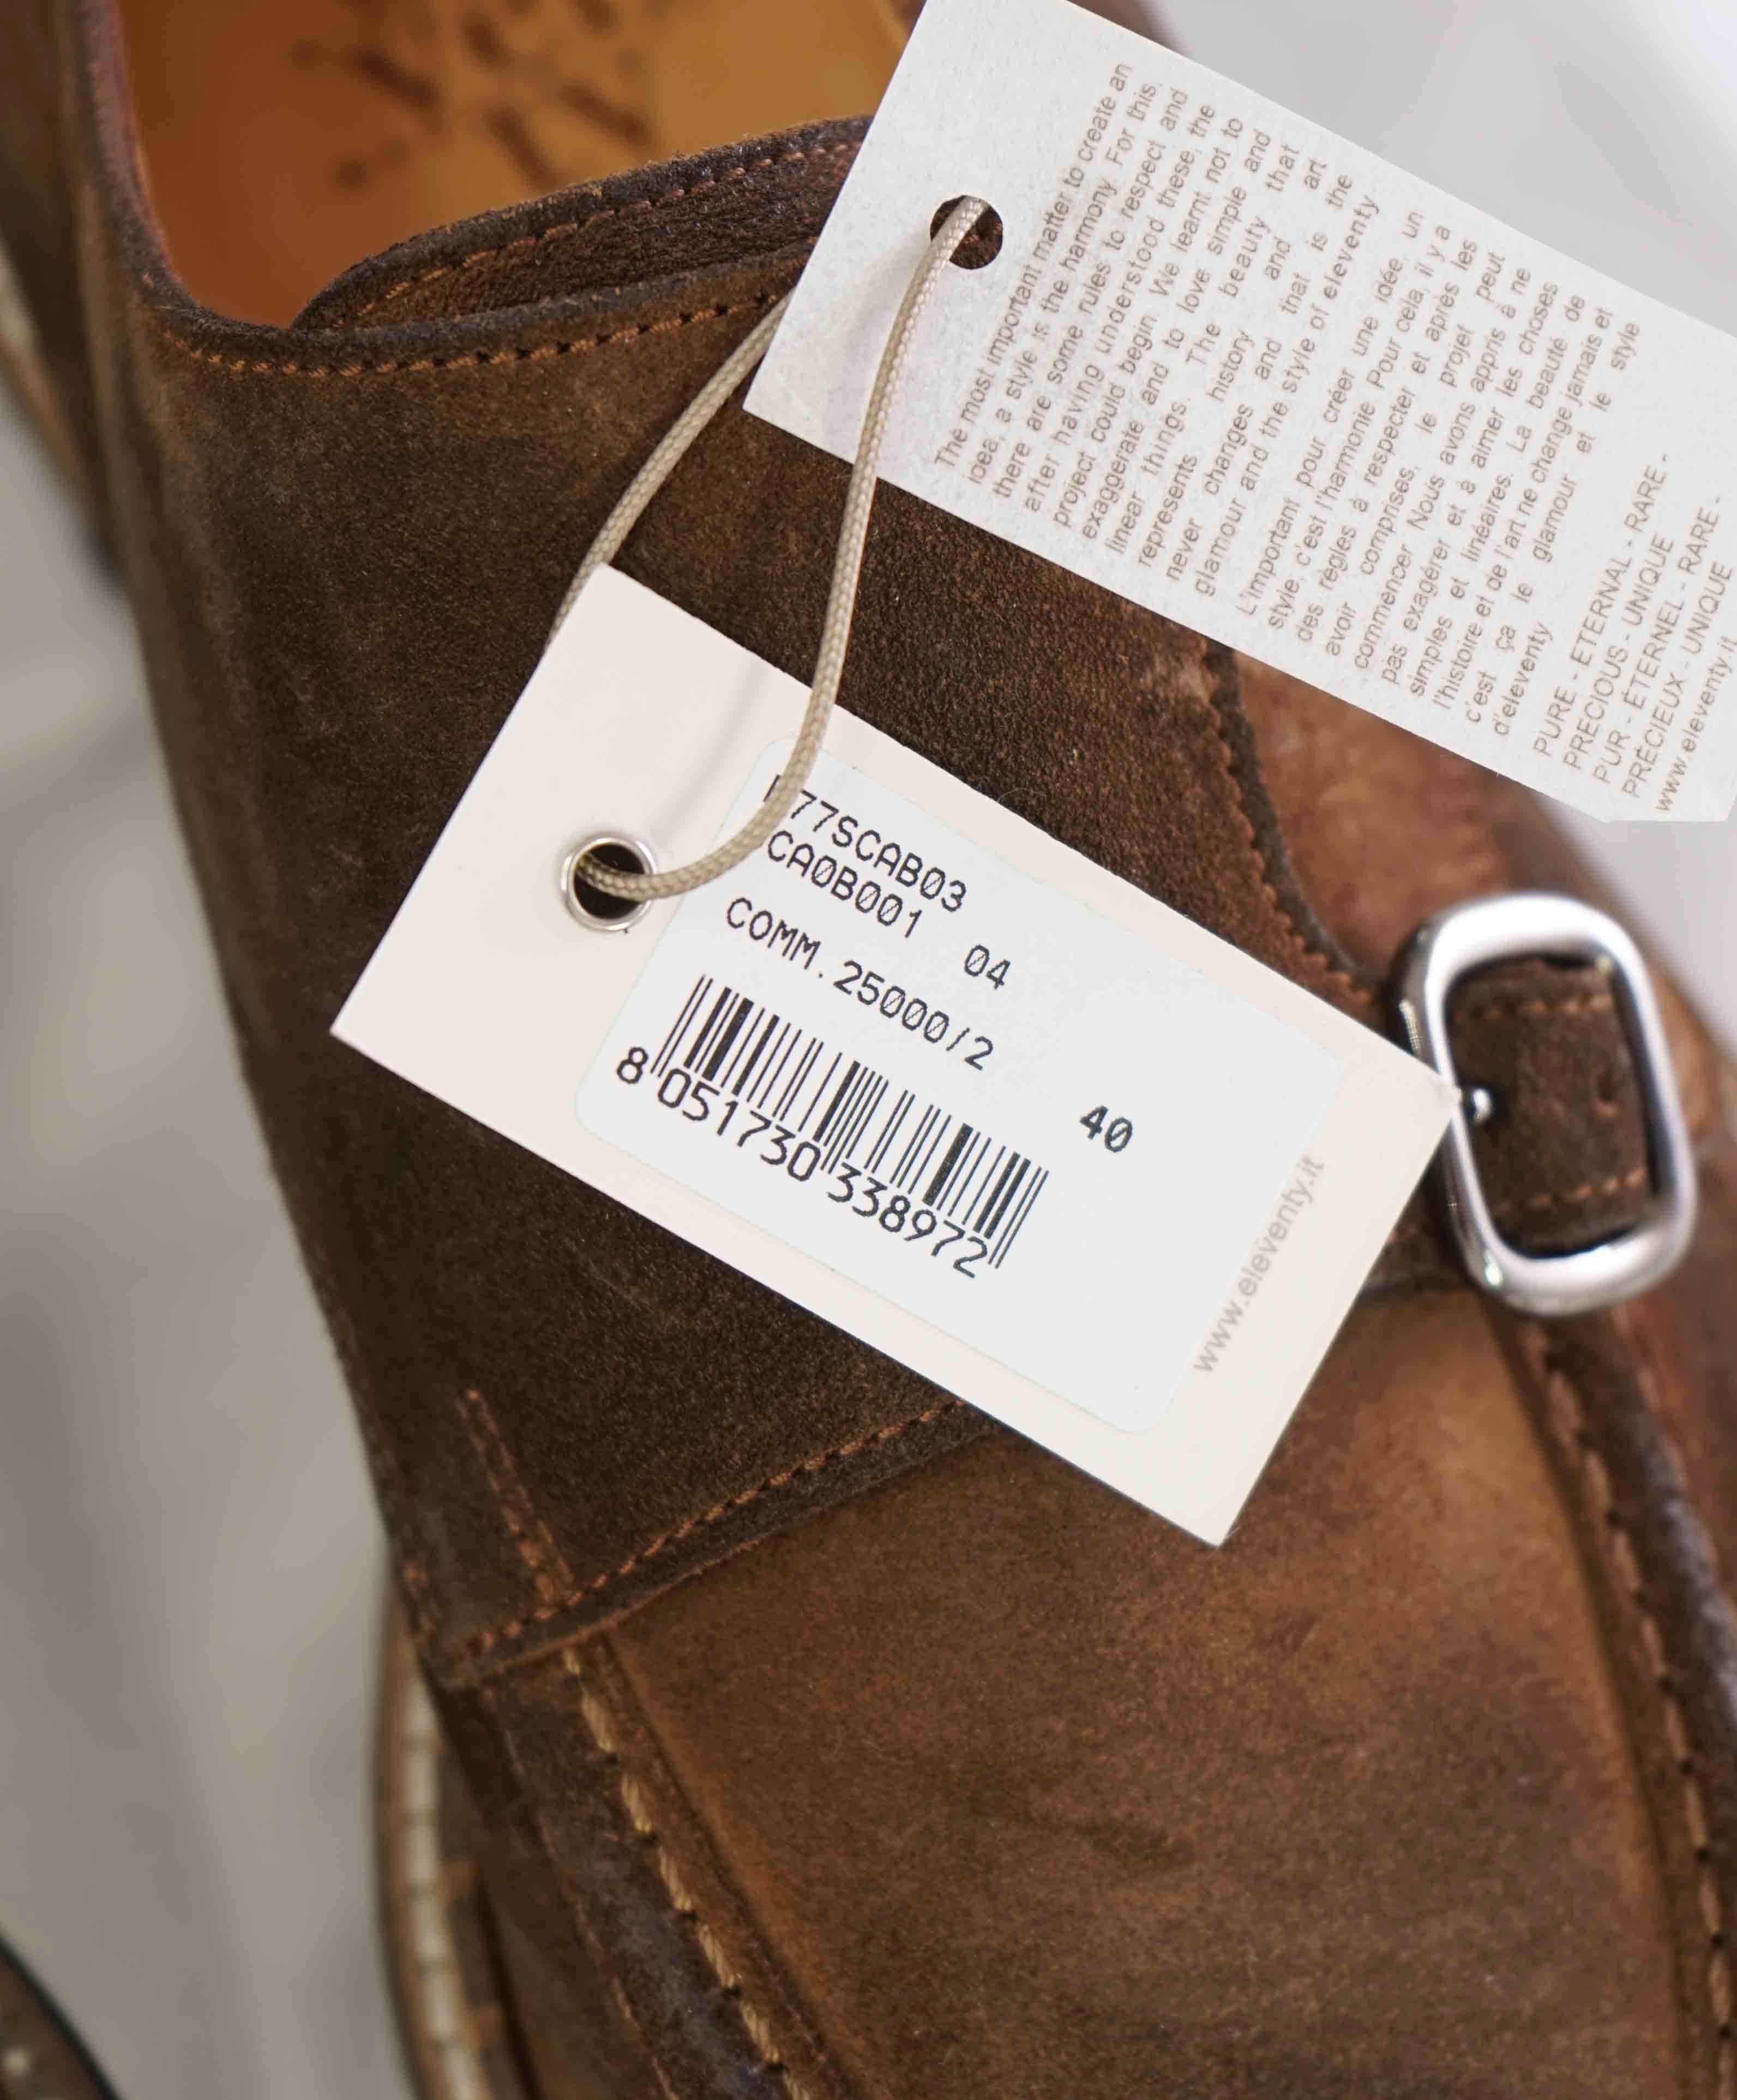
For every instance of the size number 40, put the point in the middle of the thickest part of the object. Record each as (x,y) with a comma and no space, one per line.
(1116,1133)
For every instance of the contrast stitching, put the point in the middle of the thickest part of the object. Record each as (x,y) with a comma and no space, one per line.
(552,1851)
(1637,1177)
(506,353)
(1690,1071)
(491,1637)
(633,1799)
(563,227)
(1361,994)
(514,1505)
(1527,1009)
(1594,1477)
(1415,1230)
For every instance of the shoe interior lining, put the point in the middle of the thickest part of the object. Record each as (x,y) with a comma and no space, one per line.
(282,143)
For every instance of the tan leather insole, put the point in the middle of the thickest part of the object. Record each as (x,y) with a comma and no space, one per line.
(285,140)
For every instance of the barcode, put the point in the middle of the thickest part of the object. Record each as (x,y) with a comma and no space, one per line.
(850,1114)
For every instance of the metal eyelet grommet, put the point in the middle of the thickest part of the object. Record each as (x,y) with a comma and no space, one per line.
(597,908)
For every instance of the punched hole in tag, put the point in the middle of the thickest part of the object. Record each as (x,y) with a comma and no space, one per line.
(981,244)
(599,909)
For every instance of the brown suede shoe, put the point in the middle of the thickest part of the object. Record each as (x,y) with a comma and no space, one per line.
(817,1737)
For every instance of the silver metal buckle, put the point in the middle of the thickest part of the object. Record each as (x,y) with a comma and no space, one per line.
(1496,929)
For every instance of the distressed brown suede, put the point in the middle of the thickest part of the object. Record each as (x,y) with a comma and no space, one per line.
(825,1739)
(1271,1859)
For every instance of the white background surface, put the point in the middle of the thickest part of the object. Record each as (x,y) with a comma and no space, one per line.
(189,1565)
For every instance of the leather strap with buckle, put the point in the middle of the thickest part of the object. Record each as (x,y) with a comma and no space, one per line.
(1566,1182)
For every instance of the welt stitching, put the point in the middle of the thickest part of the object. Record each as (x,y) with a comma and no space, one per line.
(1360,994)
(601,1729)
(551,1852)
(439,1968)
(516,1509)
(1594,1478)
(564,227)
(510,354)
(491,1637)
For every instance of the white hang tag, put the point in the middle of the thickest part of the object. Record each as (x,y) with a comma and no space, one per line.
(1260,381)
(914,1064)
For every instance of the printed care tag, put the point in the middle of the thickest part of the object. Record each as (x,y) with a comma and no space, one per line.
(914,1064)
(1262,382)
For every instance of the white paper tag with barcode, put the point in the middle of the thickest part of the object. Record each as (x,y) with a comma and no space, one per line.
(1259,380)
(914,1064)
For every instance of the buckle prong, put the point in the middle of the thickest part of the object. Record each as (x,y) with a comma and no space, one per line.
(1530,924)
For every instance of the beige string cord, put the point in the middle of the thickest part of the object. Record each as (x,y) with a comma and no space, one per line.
(846,566)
